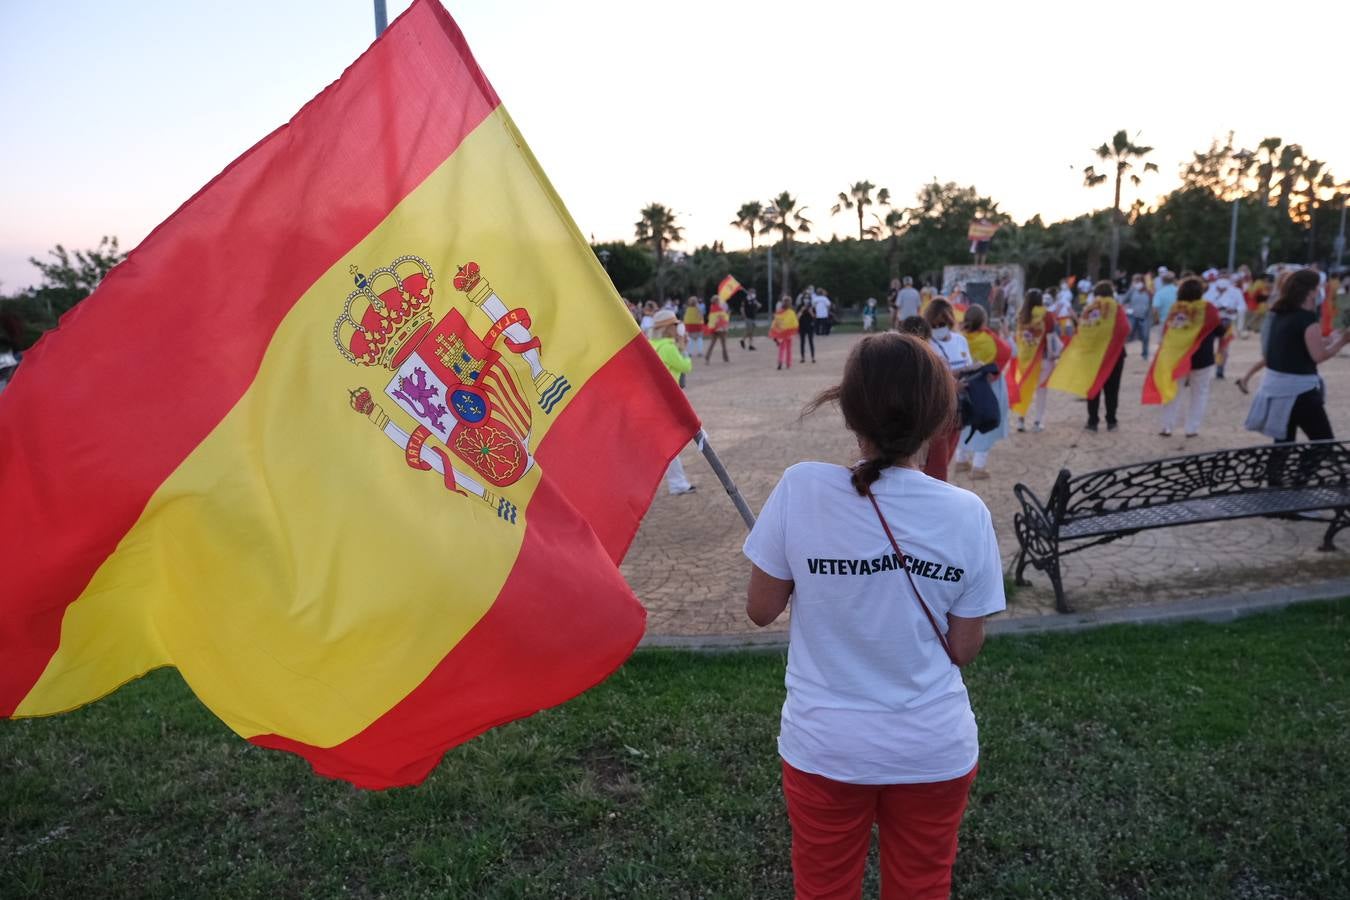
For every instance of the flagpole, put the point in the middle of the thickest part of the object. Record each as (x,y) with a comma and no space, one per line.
(381,18)
(701,441)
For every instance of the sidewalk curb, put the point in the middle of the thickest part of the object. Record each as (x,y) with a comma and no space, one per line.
(1221,608)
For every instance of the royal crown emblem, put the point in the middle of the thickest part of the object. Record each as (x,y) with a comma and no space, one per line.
(472,417)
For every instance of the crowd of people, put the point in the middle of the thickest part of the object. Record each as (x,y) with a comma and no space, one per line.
(1009,353)
(704,325)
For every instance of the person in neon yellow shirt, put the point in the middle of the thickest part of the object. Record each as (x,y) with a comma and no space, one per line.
(672,347)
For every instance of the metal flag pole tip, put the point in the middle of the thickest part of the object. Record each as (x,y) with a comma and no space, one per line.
(705,447)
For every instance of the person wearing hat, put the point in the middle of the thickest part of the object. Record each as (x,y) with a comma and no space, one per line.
(672,346)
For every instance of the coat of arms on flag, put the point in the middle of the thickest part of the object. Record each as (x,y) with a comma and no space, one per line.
(457,386)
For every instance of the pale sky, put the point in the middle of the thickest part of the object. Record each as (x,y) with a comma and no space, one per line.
(115,113)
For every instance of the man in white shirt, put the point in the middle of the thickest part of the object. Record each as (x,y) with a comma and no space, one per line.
(821,306)
(1232,308)
(908,300)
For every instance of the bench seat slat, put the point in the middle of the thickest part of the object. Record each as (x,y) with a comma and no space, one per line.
(1207,509)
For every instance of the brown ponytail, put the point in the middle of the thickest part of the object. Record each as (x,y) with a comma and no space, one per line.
(896,394)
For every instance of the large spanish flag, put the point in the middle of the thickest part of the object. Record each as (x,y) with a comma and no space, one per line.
(1024,375)
(1188,323)
(1096,347)
(355,439)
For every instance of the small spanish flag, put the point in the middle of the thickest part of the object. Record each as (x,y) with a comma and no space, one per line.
(728,288)
(1024,375)
(1188,323)
(355,439)
(1096,347)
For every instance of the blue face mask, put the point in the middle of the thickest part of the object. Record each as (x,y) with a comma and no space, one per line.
(941,334)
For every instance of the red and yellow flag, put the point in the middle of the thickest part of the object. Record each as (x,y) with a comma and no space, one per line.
(1024,377)
(718,318)
(1096,347)
(987,347)
(784,326)
(728,288)
(355,439)
(1188,323)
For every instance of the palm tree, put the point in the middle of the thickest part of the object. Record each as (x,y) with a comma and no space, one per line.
(1261,164)
(784,216)
(1122,153)
(1290,165)
(859,197)
(747,219)
(657,228)
(895,224)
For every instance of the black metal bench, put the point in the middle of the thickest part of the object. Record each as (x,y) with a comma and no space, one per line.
(1293,481)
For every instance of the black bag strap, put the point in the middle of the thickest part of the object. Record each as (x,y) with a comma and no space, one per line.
(900,555)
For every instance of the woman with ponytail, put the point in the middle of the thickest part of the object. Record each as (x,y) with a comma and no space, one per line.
(890,574)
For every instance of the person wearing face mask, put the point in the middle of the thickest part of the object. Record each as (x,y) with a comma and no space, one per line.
(955,350)
(1138,305)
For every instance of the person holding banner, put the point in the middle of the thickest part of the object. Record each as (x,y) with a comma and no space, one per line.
(889,575)
(783,329)
(1038,344)
(972,453)
(719,322)
(1093,361)
(1191,323)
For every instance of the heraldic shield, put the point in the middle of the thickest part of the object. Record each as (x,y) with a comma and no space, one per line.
(471,416)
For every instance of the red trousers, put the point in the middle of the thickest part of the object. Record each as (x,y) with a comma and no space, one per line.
(940,450)
(832,828)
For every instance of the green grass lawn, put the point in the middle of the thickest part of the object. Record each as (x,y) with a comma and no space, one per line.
(1182,761)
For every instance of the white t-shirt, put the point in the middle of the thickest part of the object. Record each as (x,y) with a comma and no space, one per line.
(822,306)
(908,301)
(871,696)
(955,349)
(1229,300)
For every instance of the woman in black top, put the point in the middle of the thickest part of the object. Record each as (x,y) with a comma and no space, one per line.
(1291,394)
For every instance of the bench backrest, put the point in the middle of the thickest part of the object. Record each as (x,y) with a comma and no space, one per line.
(1217,473)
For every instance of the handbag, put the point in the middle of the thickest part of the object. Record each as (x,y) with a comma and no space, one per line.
(918,597)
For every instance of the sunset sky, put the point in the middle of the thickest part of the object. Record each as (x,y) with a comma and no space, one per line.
(116,113)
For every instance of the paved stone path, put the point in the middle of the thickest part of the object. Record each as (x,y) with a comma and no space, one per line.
(686,564)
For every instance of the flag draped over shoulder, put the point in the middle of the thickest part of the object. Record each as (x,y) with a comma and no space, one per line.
(728,288)
(355,439)
(1188,323)
(784,325)
(987,347)
(1096,347)
(1024,376)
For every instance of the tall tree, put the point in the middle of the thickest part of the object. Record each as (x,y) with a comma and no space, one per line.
(747,219)
(859,197)
(784,216)
(1290,166)
(658,230)
(1122,153)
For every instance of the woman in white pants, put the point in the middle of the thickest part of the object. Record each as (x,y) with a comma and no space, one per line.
(1195,387)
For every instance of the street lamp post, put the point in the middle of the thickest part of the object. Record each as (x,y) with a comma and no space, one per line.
(381,18)
(1232,239)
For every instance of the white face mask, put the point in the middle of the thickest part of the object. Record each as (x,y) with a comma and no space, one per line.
(941,334)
